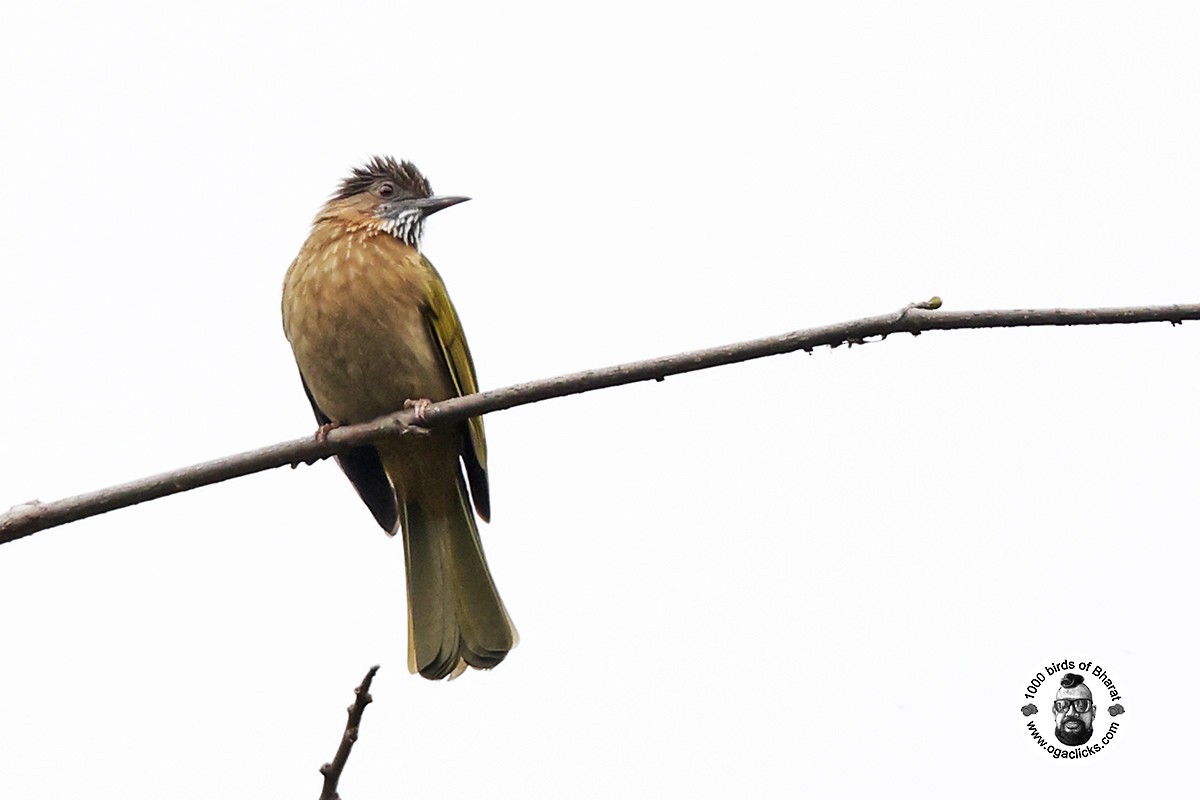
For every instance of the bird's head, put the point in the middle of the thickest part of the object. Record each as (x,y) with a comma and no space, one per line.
(391,196)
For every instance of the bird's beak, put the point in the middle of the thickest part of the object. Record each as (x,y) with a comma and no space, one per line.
(432,205)
(403,217)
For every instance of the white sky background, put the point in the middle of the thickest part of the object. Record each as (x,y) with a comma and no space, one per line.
(829,575)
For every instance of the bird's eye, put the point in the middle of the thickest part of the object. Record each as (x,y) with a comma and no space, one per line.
(386,189)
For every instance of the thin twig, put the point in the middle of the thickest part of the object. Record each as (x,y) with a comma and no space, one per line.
(28,518)
(333,770)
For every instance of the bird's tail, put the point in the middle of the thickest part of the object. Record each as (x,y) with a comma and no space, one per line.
(455,616)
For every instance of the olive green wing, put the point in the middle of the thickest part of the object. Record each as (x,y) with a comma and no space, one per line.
(447,331)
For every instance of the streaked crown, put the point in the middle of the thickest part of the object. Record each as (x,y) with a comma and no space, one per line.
(395,195)
(408,180)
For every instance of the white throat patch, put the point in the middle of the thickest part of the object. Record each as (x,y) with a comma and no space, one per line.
(406,227)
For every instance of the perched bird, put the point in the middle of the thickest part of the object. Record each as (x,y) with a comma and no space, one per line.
(373,329)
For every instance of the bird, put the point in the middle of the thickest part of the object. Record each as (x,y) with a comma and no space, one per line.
(373,330)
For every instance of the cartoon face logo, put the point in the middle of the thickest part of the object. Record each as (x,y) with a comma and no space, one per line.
(1074,711)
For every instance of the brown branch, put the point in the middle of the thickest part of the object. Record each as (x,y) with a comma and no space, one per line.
(333,770)
(22,520)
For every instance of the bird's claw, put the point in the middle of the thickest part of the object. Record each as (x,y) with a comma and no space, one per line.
(419,408)
(323,432)
(322,435)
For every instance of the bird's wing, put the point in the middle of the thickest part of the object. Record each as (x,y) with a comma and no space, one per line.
(448,333)
(364,469)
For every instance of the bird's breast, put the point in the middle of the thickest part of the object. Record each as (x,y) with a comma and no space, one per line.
(354,311)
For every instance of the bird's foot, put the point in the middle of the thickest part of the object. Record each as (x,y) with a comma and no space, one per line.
(419,407)
(323,432)
(321,436)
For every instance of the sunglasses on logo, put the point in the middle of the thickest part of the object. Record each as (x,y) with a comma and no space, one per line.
(1082,705)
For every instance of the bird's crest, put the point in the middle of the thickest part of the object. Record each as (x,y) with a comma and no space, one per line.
(408,179)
